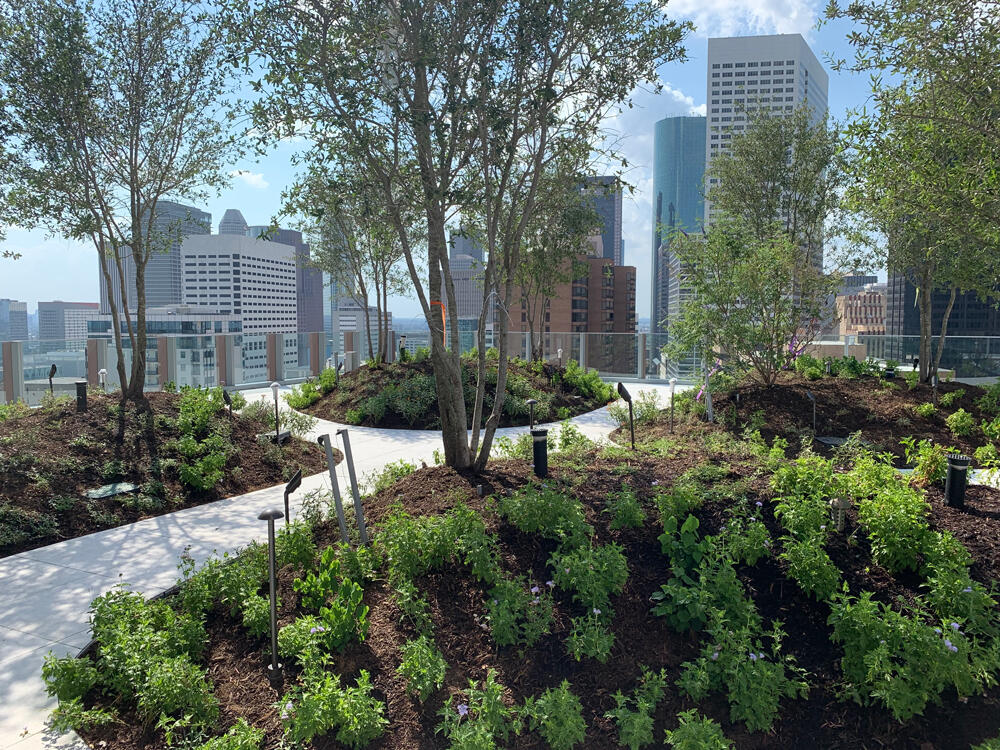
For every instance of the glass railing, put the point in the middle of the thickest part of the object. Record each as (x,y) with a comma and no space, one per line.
(971,358)
(66,361)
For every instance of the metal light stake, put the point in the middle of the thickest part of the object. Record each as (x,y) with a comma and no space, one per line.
(358,509)
(628,400)
(673,385)
(293,484)
(274,668)
(708,397)
(331,463)
(274,389)
(531,412)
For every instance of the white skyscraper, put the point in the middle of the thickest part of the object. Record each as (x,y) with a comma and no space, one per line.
(776,73)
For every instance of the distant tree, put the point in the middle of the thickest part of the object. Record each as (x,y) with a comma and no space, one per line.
(452,104)
(741,307)
(353,240)
(111,106)
(924,185)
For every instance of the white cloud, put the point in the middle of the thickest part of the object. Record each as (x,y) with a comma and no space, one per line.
(253,179)
(748,17)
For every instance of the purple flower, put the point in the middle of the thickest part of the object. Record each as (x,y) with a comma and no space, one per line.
(495,601)
(655,482)
(753,657)
(767,543)
(967,590)
(550,584)
(947,643)
(597,611)
(954,626)
(463,709)
(566,569)
(937,630)
(953,649)
(822,528)
(715,656)
(535,589)
(535,600)
(759,504)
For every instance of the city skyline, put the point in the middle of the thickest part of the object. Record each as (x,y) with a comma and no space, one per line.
(54,268)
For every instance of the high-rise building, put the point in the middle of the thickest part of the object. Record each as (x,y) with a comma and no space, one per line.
(678,204)
(775,73)
(606,193)
(252,278)
(461,244)
(308,279)
(970,315)
(172,223)
(13,320)
(64,321)
(233,222)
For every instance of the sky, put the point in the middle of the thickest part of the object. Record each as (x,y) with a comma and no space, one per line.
(55,268)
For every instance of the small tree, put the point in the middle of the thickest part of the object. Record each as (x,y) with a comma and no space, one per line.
(112,106)
(353,240)
(742,308)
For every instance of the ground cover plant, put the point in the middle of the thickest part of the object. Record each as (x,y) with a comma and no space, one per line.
(403,394)
(196,452)
(729,612)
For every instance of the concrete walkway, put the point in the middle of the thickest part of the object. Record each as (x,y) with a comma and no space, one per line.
(45,593)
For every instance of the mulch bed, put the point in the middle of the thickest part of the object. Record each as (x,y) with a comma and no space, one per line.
(356,387)
(821,720)
(58,453)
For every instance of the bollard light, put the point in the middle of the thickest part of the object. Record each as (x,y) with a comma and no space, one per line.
(81,395)
(293,484)
(957,479)
(673,385)
(274,668)
(102,376)
(838,511)
(540,452)
(627,397)
(812,398)
(274,389)
(531,412)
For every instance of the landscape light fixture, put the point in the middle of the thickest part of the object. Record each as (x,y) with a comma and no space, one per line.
(293,484)
(274,668)
(829,367)
(957,479)
(559,353)
(102,376)
(627,397)
(402,342)
(934,385)
(338,504)
(228,400)
(81,395)
(838,511)
(531,412)
(673,385)
(540,452)
(52,374)
(274,389)
(916,362)
(812,398)
(359,511)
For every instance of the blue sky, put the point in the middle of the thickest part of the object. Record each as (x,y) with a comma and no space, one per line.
(54,268)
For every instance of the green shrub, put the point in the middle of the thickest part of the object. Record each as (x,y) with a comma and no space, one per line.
(961,423)
(478,722)
(327,380)
(987,456)
(592,572)
(588,636)
(925,410)
(257,615)
(317,588)
(303,640)
(587,383)
(635,725)
(540,509)
(422,667)
(625,510)
(354,416)
(68,678)
(645,409)
(388,475)
(16,410)
(930,460)
(896,521)
(204,462)
(294,545)
(295,422)
(241,736)
(19,525)
(806,363)
(811,567)
(558,717)
(950,398)
(989,402)
(991,429)
(198,406)
(519,614)
(179,689)
(320,705)
(415,397)
(696,732)
(303,395)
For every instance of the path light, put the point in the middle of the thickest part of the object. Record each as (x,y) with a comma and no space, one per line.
(627,397)
(228,400)
(81,395)
(673,385)
(916,363)
(957,479)
(829,367)
(359,511)
(293,484)
(102,376)
(934,385)
(402,344)
(531,412)
(52,374)
(559,354)
(274,389)
(274,668)
(838,511)
(812,398)
(331,464)
(540,452)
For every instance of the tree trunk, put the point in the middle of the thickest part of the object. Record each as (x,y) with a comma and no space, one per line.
(368,329)
(944,331)
(924,305)
(115,320)
(136,386)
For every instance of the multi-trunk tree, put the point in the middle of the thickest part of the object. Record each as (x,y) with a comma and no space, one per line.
(925,185)
(110,107)
(449,104)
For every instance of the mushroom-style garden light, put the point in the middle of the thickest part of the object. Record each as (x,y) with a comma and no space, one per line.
(274,668)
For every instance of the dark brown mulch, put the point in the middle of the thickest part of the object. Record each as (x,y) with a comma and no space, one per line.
(356,387)
(51,457)
(821,720)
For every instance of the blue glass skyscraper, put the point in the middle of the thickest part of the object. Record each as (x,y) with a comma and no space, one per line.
(678,174)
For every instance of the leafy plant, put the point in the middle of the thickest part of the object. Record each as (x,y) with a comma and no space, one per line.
(321,705)
(241,736)
(930,460)
(684,546)
(951,397)
(388,475)
(20,525)
(696,732)
(558,717)
(68,678)
(519,614)
(811,567)
(635,725)
(895,518)
(422,667)
(539,509)
(318,587)
(625,510)
(960,423)
(303,395)
(925,410)
(589,636)
(592,572)
(176,687)
(477,723)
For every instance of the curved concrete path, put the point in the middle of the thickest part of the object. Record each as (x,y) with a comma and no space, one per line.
(45,593)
